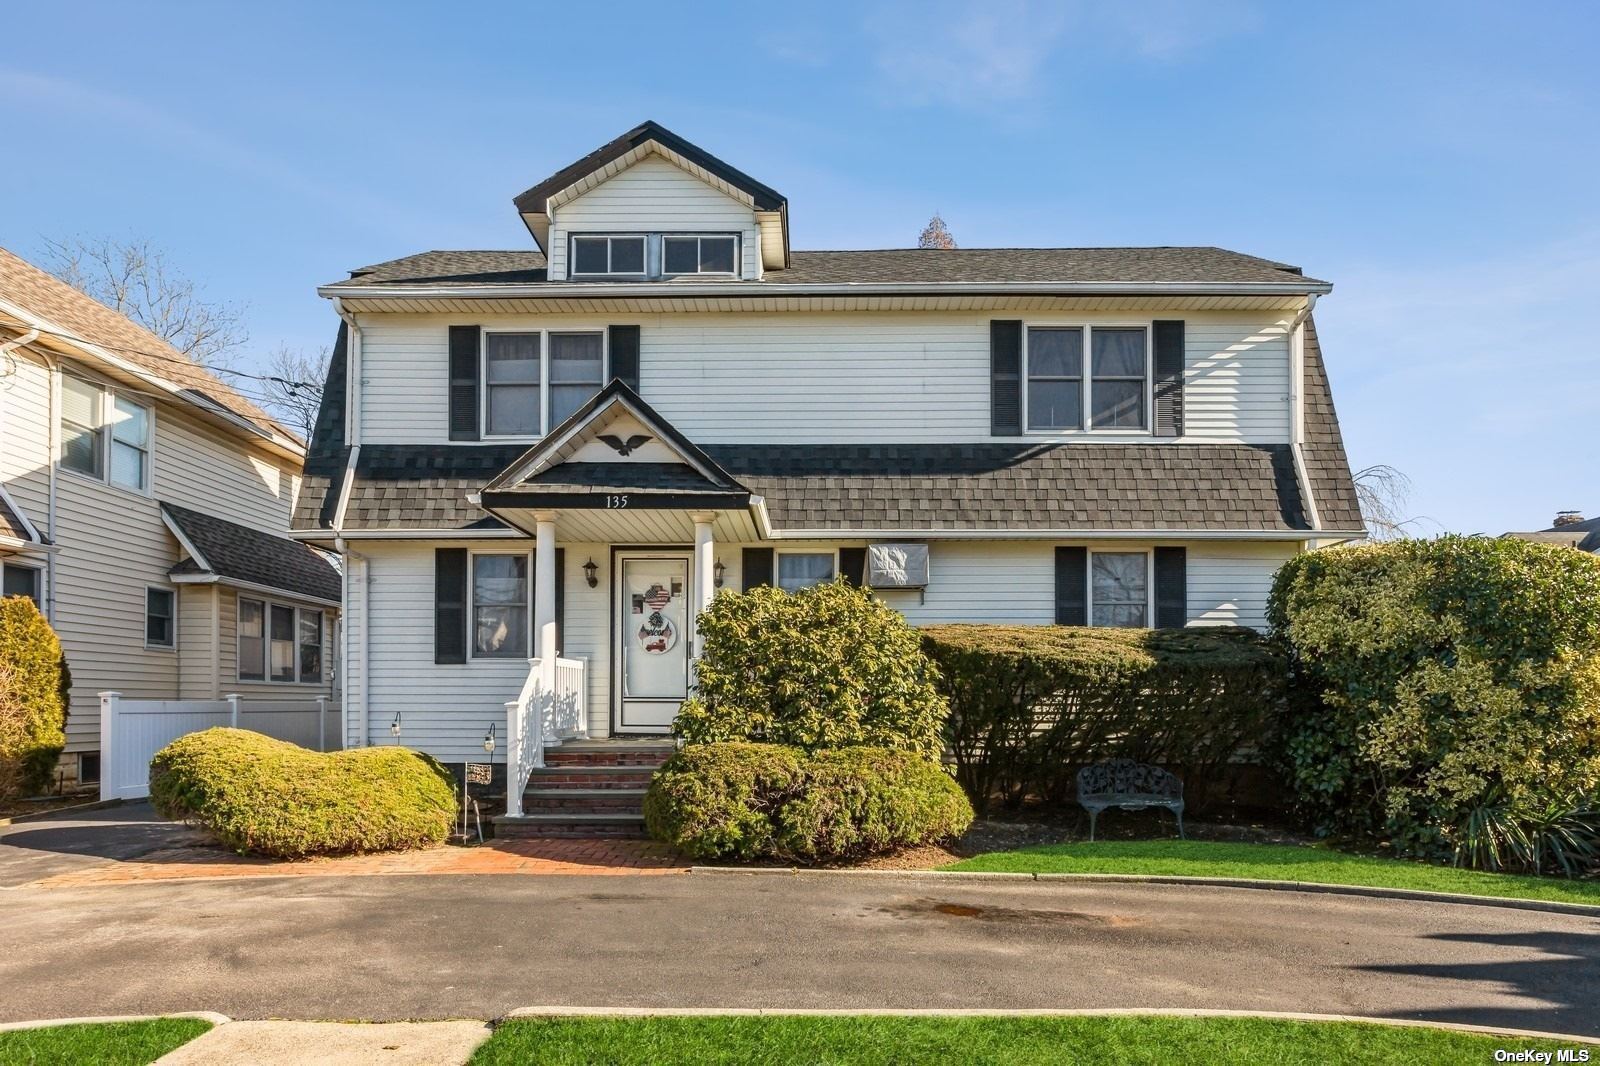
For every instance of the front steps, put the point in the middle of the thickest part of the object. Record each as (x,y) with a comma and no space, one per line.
(588,788)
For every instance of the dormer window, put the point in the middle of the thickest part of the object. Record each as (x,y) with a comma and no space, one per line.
(608,256)
(714,254)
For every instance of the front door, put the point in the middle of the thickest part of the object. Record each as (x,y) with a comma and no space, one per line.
(652,639)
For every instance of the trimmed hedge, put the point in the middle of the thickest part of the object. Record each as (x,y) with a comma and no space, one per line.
(33,698)
(825,667)
(268,797)
(1032,704)
(752,801)
(1439,681)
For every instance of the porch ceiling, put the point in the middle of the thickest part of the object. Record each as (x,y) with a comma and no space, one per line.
(628,526)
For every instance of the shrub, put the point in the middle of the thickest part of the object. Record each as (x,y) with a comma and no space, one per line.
(1032,704)
(748,801)
(33,692)
(1436,679)
(825,667)
(264,796)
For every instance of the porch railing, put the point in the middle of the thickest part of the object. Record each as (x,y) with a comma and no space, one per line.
(551,707)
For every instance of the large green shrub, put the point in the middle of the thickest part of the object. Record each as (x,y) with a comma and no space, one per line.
(749,801)
(268,797)
(33,691)
(824,667)
(1029,705)
(1438,681)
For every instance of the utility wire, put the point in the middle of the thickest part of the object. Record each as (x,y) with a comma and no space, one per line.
(178,361)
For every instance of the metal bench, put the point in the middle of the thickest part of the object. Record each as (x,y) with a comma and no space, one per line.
(1130,786)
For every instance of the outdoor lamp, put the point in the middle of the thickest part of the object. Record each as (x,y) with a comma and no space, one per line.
(716,572)
(394,726)
(589,571)
(488,740)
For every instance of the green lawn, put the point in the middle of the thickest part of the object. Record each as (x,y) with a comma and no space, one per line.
(100,1043)
(1115,1041)
(1274,862)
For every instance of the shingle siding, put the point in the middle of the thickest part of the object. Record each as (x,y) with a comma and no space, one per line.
(244,554)
(1332,485)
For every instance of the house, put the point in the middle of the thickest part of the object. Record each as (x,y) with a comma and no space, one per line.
(1570,529)
(561,452)
(145,505)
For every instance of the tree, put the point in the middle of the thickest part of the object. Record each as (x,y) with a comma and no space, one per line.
(293,387)
(1382,492)
(134,279)
(936,234)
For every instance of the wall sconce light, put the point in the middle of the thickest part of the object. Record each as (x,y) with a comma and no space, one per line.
(394,726)
(589,572)
(717,571)
(489,740)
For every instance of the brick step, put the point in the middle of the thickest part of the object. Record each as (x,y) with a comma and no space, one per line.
(637,777)
(569,825)
(611,755)
(583,800)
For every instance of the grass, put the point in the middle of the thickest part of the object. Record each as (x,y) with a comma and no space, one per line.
(101,1043)
(1273,862)
(1114,1041)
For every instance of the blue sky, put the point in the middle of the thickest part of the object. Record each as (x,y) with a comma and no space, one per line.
(1436,161)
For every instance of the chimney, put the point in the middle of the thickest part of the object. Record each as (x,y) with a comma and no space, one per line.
(1567,518)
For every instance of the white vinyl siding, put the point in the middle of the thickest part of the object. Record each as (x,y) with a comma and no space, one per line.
(815,377)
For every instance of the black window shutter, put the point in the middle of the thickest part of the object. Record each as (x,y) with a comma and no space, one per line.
(464,382)
(1172,588)
(623,342)
(757,567)
(853,565)
(561,597)
(1005,378)
(1169,378)
(450,605)
(1072,586)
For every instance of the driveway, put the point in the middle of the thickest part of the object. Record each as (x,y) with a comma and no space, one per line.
(73,843)
(399,947)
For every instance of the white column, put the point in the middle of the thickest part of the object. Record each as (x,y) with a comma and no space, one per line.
(544,593)
(108,745)
(704,580)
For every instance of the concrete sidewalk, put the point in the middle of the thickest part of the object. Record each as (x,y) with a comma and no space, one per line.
(332,1044)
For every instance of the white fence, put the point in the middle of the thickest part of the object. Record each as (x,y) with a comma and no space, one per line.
(132,731)
(550,708)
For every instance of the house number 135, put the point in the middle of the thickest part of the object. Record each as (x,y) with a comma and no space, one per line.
(613,502)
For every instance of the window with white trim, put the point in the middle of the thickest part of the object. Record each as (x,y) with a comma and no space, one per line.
(160,618)
(533,380)
(608,255)
(577,368)
(103,430)
(699,254)
(798,570)
(279,642)
(1119,589)
(20,581)
(499,607)
(1085,377)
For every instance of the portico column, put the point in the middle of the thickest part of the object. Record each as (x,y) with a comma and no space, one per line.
(544,593)
(704,580)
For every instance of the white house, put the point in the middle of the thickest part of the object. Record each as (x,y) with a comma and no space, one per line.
(560,453)
(145,505)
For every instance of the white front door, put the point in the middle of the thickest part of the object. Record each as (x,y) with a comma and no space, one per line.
(652,639)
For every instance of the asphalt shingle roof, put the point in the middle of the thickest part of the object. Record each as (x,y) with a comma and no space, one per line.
(1327,467)
(244,554)
(11,524)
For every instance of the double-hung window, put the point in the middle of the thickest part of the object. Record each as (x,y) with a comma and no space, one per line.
(710,254)
(1119,589)
(19,581)
(577,363)
(798,570)
(499,606)
(101,431)
(1106,391)
(160,618)
(533,381)
(608,256)
(279,642)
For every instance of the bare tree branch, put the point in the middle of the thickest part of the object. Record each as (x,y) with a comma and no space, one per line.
(133,279)
(1383,492)
(293,387)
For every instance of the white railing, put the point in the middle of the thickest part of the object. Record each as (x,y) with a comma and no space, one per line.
(132,731)
(550,708)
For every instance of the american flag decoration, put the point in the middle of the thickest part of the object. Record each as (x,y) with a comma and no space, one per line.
(657,597)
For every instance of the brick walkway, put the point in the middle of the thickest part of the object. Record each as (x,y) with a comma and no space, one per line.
(544,856)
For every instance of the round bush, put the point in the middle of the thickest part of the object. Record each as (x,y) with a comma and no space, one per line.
(749,801)
(1438,678)
(825,667)
(33,695)
(268,797)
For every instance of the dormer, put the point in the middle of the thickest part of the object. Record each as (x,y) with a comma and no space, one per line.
(650,206)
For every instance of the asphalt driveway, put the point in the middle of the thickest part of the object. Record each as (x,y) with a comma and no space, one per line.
(388,948)
(67,843)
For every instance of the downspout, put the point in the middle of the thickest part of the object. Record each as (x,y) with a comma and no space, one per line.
(53,445)
(1297,411)
(354,560)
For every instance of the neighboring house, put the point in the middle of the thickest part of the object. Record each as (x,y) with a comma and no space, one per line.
(576,445)
(1570,529)
(145,505)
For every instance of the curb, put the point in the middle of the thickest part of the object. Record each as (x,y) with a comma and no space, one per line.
(77,808)
(204,1015)
(1413,895)
(1086,1012)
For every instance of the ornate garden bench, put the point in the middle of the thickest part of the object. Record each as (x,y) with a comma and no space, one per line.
(1129,785)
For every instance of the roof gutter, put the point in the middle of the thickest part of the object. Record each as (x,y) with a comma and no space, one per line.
(767,290)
